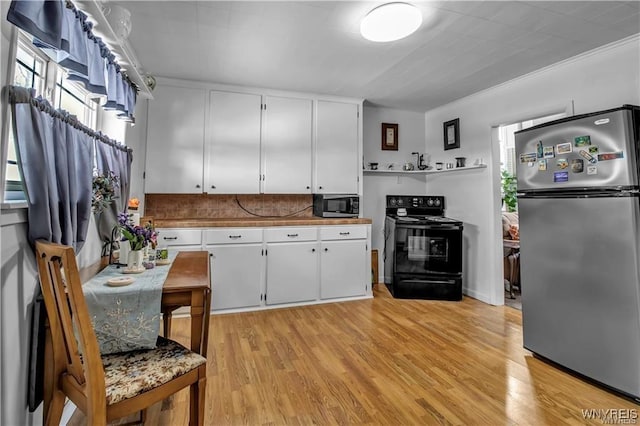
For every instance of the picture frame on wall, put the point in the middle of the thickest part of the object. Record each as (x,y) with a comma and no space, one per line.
(389,136)
(451,131)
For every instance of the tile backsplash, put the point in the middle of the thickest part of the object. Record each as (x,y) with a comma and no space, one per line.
(206,206)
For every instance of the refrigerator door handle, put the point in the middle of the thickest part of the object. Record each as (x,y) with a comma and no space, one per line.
(580,194)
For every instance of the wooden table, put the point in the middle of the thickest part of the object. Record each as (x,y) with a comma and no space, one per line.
(187,284)
(513,258)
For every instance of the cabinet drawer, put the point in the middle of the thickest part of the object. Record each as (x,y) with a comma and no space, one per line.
(233,235)
(343,232)
(178,237)
(275,235)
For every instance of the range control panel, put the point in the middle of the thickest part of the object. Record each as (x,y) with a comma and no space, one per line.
(415,201)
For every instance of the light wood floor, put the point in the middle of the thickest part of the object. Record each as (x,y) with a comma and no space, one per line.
(381,361)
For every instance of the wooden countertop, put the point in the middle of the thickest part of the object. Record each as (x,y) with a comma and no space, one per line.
(257,222)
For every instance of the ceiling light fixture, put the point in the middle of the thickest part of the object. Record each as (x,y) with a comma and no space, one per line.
(390,22)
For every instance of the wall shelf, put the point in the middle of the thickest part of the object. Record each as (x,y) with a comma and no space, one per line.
(422,172)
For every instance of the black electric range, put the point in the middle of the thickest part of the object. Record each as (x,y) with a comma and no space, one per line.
(423,249)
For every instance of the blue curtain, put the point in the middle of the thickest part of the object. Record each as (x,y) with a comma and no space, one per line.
(111,157)
(64,34)
(55,158)
(41,18)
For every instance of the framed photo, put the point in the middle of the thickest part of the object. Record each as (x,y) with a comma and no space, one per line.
(451,134)
(389,137)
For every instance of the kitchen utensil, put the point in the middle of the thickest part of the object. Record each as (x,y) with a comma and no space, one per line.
(408,166)
(373,166)
(460,161)
(438,166)
(449,165)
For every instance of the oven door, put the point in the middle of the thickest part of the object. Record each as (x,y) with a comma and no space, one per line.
(428,249)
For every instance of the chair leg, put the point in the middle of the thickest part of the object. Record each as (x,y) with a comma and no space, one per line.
(56,406)
(197,400)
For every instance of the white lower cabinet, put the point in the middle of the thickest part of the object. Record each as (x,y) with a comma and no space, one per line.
(292,272)
(292,264)
(237,265)
(236,275)
(343,267)
(255,268)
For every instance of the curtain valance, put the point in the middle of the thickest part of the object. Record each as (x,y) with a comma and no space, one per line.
(65,35)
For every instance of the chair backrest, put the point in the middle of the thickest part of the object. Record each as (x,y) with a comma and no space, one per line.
(73,338)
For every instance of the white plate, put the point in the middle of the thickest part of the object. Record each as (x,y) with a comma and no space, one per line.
(119,281)
(134,271)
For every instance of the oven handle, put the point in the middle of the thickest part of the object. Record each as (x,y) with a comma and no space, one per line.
(438,227)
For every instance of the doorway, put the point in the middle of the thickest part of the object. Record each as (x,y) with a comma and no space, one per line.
(509,209)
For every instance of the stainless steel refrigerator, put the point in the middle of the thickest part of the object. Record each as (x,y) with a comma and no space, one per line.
(579,210)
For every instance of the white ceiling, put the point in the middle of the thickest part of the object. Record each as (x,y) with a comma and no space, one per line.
(314,46)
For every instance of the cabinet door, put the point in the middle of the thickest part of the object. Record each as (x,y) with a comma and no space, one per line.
(286,146)
(236,275)
(343,267)
(336,165)
(175,141)
(234,143)
(292,272)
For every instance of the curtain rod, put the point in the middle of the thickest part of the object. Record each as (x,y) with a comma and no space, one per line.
(23,95)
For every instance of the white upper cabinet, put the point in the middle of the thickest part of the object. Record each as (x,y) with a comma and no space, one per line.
(286,145)
(336,153)
(175,140)
(233,150)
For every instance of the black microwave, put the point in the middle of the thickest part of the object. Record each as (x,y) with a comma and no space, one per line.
(332,205)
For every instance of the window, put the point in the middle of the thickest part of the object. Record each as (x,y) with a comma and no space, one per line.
(34,69)
(74,99)
(30,71)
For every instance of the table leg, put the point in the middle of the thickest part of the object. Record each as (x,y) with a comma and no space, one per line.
(166,322)
(198,319)
(512,266)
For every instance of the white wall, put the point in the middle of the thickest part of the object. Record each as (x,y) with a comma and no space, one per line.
(377,186)
(601,79)
(18,281)
(136,137)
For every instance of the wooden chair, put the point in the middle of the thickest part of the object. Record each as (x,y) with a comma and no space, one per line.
(110,386)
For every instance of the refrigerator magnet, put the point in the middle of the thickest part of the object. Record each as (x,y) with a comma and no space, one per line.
(562,163)
(606,156)
(577,165)
(593,149)
(548,152)
(592,170)
(560,176)
(539,149)
(542,165)
(590,158)
(564,148)
(529,157)
(583,140)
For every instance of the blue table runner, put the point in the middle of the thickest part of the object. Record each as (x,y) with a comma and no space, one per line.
(128,317)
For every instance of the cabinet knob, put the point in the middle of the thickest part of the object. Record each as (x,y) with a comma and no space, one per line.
(319,187)
(292,235)
(326,249)
(235,237)
(313,250)
(213,187)
(197,186)
(170,238)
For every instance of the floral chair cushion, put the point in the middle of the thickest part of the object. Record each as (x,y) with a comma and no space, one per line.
(129,374)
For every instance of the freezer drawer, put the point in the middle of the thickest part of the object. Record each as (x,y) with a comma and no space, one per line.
(580,285)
